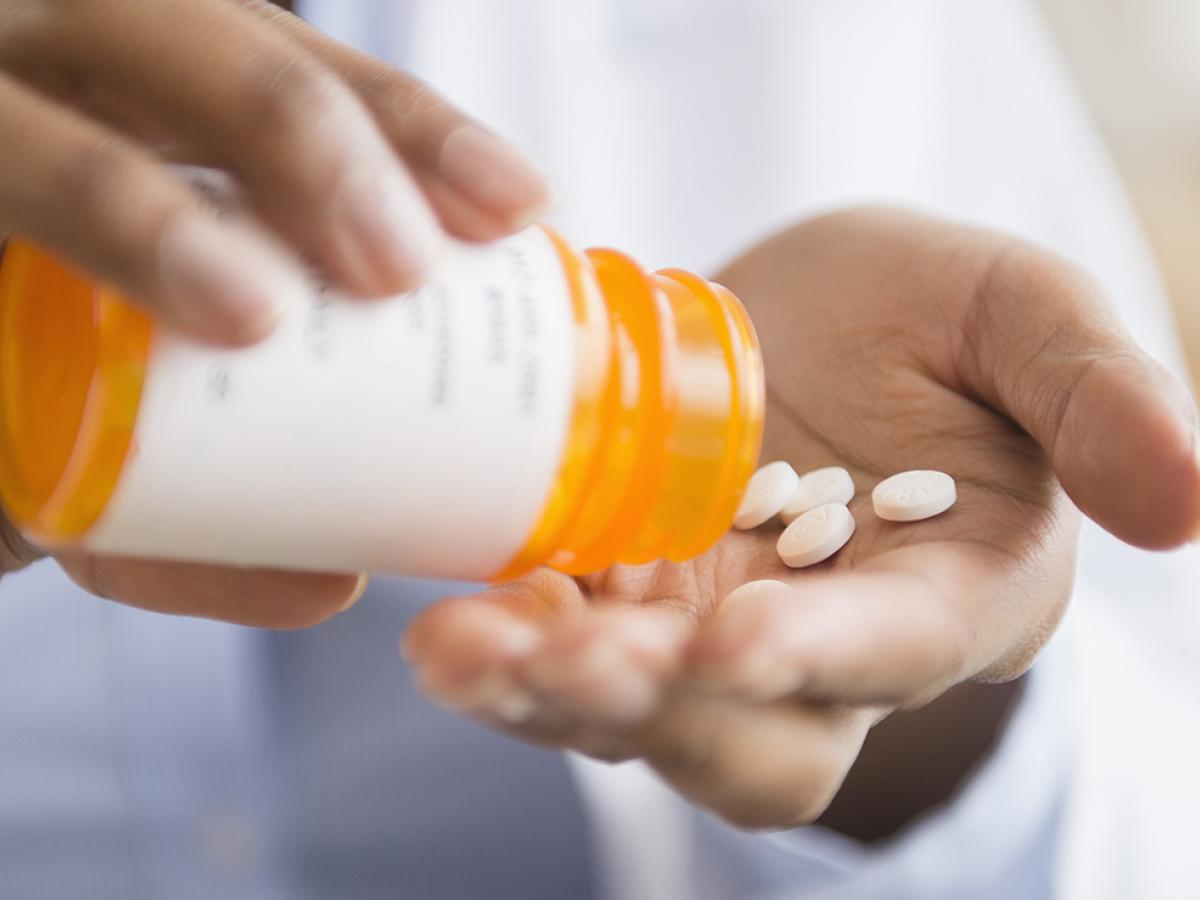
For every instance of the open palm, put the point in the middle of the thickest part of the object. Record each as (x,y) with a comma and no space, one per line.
(891,342)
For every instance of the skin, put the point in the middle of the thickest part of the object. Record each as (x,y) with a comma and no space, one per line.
(891,341)
(1003,364)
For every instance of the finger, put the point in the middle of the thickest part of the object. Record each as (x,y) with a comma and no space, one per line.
(79,189)
(533,599)
(1120,430)
(264,598)
(466,650)
(608,668)
(766,766)
(299,138)
(15,552)
(481,186)
(899,630)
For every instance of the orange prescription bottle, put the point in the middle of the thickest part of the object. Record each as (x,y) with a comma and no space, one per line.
(531,405)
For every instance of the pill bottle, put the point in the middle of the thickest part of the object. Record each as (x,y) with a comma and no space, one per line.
(531,405)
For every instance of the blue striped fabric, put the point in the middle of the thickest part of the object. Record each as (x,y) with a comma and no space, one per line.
(143,756)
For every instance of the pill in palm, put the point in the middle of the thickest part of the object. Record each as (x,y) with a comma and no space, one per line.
(912,496)
(767,491)
(751,588)
(832,484)
(816,535)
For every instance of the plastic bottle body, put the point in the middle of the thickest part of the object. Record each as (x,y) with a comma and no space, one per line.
(530,406)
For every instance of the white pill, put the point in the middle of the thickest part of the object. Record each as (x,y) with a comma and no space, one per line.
(816,535)
(750,588)
(766,492)
(816,488)
(912,496)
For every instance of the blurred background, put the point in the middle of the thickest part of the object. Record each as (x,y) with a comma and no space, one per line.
(1137,63)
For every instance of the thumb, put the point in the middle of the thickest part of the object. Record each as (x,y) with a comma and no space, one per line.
(1120,430)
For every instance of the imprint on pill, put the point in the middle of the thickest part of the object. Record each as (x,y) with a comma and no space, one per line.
(913,496)
(816,535)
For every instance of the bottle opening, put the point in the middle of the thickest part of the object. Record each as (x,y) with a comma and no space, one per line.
(664,439)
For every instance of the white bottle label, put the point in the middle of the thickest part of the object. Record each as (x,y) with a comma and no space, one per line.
(419,435)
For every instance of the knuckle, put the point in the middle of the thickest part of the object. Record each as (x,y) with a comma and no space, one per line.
(97,171)
(409,99)
(419,118)
(291,93)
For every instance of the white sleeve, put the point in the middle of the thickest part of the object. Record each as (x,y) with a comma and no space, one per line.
(997,838)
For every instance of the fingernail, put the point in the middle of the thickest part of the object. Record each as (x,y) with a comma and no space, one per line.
(604,683)
(596,661)
(515,707)
(494,693)
(360,587)
(512,636)
(492,172)
(384,229)
(626,697)
(224,281)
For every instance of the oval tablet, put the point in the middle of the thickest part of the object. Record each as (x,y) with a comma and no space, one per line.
(816,535)
(750,588)
(832,484)
(766,492)
(913,496)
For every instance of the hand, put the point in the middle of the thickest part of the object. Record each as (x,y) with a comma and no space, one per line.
(346,160)
(352,163)
(891,342)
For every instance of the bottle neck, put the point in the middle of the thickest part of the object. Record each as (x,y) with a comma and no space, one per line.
(667,420)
